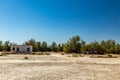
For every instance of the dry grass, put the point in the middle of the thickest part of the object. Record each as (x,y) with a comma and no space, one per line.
(104,56)
(3,54)
(25,57)
(41,53)
(75,55)
(62,53)
(46,53)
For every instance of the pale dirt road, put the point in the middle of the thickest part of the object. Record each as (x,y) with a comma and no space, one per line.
(58,67)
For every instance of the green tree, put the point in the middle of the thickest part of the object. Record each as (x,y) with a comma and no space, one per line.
(117,49)
(44,46)
(94,48)
(73,45)
(53,46)
(0,45)
(67,48)
(39,45)
(6,46)
(60,47)
(108,46)
(83,46)
(36,45)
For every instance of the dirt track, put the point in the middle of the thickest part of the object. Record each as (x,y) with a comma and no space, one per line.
(58,67)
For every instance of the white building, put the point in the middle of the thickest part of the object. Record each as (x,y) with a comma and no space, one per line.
(21,49)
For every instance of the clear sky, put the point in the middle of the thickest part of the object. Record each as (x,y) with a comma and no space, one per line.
(58,20)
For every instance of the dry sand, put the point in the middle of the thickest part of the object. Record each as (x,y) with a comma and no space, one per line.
(58,67)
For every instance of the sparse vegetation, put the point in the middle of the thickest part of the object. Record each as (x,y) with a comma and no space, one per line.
(25,57)
(103,56)
(39,53)
(109,56)
(62,53)
(69,55)
(46,53)
(75,55)
(81,55)
(3,54)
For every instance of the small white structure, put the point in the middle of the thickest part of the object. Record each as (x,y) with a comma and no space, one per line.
(21,49)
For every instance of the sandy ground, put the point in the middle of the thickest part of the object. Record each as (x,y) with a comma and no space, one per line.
(58,67)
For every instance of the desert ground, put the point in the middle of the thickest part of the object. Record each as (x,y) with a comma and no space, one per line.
(58,67)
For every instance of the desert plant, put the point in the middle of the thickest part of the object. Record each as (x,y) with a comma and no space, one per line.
(109,56)
(39,53)
(103,56)
(114,56)
(3,54)
(75,55)
(97,56)
(25,57)
(62,53)
(81,55)
(47,53)
(69,55)
(91,56)
(33,53)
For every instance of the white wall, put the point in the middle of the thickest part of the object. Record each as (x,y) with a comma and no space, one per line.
(22,48)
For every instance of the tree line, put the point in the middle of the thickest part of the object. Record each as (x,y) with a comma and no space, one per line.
(73,45)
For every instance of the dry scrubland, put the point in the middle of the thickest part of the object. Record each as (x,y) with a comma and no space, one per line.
(58,67)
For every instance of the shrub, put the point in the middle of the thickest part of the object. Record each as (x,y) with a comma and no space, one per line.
(97,56)
(25,57)
(3,54)
(103,56)
(109,55)
(69,55)
(75,55)
(114,56)
(91,56)
(81,55)
(47,53)
(33,53)
(38,53)
(62,53)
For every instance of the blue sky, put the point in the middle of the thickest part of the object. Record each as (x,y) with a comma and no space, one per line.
(58,20)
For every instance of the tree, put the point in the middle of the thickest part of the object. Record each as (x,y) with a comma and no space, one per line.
(73,45)
(94,48)
(30,42)
(83,46)
(108,46)
(36,45)
(117,49)
(7,46)
(0,45)
(53,46)
(39,45)
(67,48)
(60,47)
(44,46)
